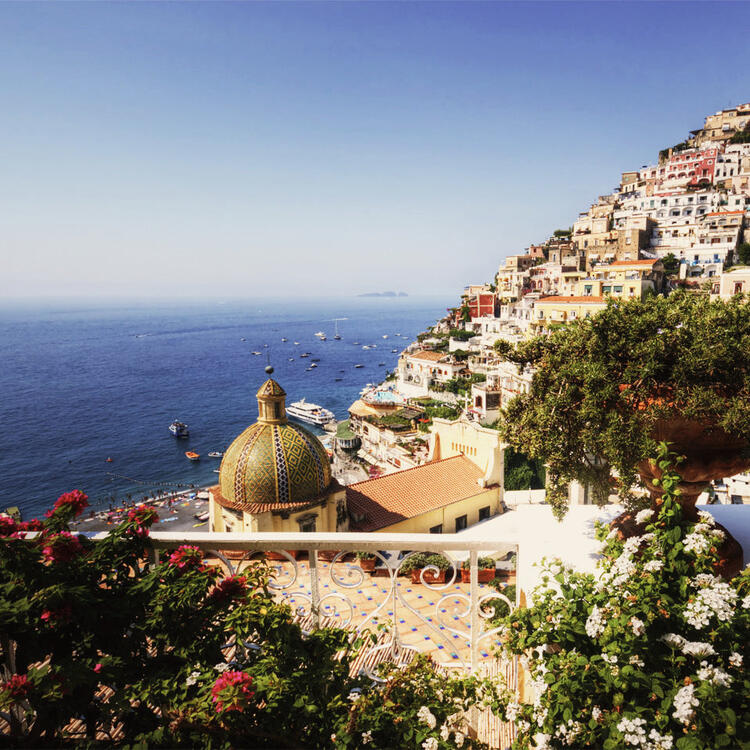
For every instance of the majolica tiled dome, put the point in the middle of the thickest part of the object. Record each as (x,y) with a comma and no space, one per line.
(273,461)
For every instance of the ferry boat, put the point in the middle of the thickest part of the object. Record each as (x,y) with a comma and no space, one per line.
(192,455)
(311,413)
(179,429)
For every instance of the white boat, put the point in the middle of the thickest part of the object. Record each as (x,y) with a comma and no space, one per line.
(305,354)
(336,335)
(296,343)
(385,335)
(257,354)
(313,365)
(321,335)
(215,454)
(311,413)
(366,347)
(284,340)
(357,367)
(179,429)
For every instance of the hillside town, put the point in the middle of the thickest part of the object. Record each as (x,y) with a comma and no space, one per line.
(682,222)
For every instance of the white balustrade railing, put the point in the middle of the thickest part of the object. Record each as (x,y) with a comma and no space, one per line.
(451,620)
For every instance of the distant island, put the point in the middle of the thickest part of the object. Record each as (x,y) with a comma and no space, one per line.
(383,294)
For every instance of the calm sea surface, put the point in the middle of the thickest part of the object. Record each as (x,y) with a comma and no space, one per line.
(80,385)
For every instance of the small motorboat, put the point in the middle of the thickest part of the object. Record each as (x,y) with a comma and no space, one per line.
(192,455)
(394,351)
(357,367)
(257,354)
(291,359)
(385,335)
(381,364)
(315,359)
(296,343)
(179,429)
(312,366)
(337,380)
(108,459)
(284,341)
(243,339)
(305,354)
(215,454)
(356,343)
(216,471)
(309,369)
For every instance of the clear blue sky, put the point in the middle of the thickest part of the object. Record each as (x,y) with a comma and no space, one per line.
(319,148)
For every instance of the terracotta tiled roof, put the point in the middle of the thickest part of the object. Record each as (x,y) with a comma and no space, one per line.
(409,493)
(575,300)
(428,355)
(724,213)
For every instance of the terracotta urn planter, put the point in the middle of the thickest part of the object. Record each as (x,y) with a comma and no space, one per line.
(710,453)
(484,575)
(429,576)
(279,557)
(367,563)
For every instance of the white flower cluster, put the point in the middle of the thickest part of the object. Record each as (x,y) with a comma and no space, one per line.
(653,566)
(426,717)
(696,543)
(222,666)
(735,659)
(636,661)
(610,658)
(746,602)
(638,626)
(644,515)
(714,675)
(674,640)
(697,649)
(622,568)
(569,732)
(192,678)
(633,731)
(659,741)
(367,737)
(430,744)
(596,622)
(511,711)
(596,713)
(706,517)
(716,598)
(684,704)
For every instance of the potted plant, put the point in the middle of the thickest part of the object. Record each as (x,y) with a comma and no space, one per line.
(485,571)
(426,568)
(607,390)
(366,561)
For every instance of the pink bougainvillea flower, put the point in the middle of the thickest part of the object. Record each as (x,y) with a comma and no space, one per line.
(232,587)
(75,501)
(62,547)
(98,668)
(231,691)
(58,615)
(8,526)
(185,557)
(142,516)
(16,688)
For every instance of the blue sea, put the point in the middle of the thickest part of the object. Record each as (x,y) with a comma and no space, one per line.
(81,384)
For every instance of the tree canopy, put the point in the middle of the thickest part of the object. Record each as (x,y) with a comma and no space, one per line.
(600,385)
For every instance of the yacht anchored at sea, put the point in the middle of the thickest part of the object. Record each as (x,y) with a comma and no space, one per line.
(308,412)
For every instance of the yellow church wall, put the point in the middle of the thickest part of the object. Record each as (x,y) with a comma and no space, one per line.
(481,445)
(447,515)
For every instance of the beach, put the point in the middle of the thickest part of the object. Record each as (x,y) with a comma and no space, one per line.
(177,512)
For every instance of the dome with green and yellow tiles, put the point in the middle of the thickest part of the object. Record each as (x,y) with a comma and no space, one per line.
(273,462)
